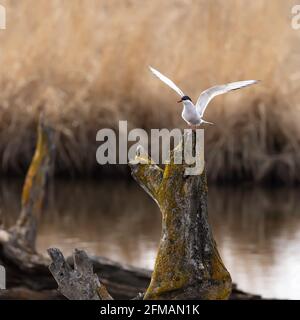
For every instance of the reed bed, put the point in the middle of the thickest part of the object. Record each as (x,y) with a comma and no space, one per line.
(84,63)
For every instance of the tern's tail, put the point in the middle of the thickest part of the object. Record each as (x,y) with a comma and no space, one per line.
(203,121)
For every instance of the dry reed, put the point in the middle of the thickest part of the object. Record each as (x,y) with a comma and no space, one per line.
(85,63)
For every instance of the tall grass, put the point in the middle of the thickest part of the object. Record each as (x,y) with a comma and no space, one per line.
(84,62)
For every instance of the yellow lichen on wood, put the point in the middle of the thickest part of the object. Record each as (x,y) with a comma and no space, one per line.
(149,175)
(33,192)
(35,174)
(103,293)
(188,265)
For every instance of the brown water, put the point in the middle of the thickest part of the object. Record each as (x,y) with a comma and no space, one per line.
(257,231)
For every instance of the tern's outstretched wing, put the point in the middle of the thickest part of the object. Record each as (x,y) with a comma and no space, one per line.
(167,81)
(206,96)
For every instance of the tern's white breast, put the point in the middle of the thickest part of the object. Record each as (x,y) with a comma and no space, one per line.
(189,113)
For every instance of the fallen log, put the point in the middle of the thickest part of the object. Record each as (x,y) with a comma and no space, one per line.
(122,282)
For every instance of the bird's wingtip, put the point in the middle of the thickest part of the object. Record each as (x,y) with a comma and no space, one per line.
(152,69)
(250,82)
(256,81)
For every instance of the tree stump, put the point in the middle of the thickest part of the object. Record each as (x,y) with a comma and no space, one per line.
(188,265)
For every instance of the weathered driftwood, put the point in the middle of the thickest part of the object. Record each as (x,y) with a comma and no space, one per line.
(28,269)
(34,189)
(122,282)
(188,265)
(80,282)
(17,245)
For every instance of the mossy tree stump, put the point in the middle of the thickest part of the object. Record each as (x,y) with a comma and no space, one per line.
(188,265)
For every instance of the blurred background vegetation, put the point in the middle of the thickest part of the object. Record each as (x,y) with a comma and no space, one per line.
(84,62)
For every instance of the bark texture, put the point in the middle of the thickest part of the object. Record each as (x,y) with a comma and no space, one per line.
(80,283)
(188,265)
(17,245)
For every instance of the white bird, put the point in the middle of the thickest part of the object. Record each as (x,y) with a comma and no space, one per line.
(192,114)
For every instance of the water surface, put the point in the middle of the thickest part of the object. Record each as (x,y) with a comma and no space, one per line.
(257,230)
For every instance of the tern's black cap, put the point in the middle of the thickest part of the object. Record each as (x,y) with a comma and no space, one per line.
(186,98)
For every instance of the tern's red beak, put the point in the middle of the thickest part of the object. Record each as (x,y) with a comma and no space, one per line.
(179,101)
